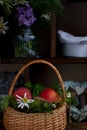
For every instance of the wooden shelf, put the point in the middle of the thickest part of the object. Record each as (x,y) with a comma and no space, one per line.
(59,60)
(77,126)
(72,126)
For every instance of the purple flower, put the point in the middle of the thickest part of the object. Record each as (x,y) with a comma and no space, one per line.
(25,15)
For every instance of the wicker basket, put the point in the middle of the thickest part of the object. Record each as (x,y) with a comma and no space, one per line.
(56,120)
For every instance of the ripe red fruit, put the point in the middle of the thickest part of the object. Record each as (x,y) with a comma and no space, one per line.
(50,95)
(21,91)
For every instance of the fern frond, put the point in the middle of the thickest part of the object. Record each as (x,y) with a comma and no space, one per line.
(5,102)
(7,5)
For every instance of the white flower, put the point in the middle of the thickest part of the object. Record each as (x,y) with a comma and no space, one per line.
(47,16)
(23,102)
(54,106)
(68,95)
(19,2)
(3,27)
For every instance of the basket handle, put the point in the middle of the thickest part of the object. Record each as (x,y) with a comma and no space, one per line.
(36,62)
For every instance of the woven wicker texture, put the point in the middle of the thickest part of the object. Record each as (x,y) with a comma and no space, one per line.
(55,120)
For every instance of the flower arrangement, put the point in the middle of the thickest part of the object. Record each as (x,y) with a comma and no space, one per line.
(40,9)
(18,15)
(22,14)
(36,103)
(37,98)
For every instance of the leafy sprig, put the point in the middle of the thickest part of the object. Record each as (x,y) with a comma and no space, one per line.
(5,102)
(35,89)
(71,100)
(7,5)
(44,6)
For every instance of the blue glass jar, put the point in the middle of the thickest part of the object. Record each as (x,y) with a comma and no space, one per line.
(25,44)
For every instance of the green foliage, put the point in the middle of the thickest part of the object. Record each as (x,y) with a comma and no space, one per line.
(55,6)
(29,85)
(40,106)
(5,102)
(57,87)
(7,5)
(13,103)
(44,6)
(35,89)
(70,100)
(8,101)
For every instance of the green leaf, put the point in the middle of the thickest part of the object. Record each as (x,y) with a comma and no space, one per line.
(13,102)
(29,85)
(7,5)
(5,102)
(37,89)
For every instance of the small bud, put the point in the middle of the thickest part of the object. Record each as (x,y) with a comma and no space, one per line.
(68,95)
